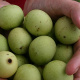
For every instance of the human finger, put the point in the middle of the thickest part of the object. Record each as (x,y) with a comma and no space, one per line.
(3,3)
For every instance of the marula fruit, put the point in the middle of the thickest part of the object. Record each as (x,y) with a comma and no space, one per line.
(11,16)
(66,31)
(27,72)
(55,70)
(63,52)
(42,50)
(8,64)
(4,43)
(19,40)
(38,22)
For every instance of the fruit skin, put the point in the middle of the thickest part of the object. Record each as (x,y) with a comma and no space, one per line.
(55,70)
(65,31)
(19,40)
(63,52)
(42,50)
(4,44)
(77,0)
(21,60)
(8,64)
(37,22)
(11,16)
(27,72)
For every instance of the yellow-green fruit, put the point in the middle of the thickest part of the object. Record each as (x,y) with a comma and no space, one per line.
(8,64)
(42,50)
(77,0)
(3,43)
(21,60)
(63,52)
(65,31)
(11,16)
(55,70)
(38,22)
(27,72)
(19,40)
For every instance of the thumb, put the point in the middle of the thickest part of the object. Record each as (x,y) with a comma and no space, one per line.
(71,9)
(74,64)
(56,8)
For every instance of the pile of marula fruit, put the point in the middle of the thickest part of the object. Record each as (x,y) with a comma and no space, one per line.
(32,47)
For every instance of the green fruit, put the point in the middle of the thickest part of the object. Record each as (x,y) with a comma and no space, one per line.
(19,40)
(55,70)
(11,16)
(52,35)
(4,44)
(37,22)
(65,31)
(42,50)
(27,72)
(63,52)
(8,64)
(21,60)
(77,0)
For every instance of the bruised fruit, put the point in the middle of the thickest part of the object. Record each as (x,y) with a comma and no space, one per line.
(27,72)
(8,64)
(19,40)
(38,22)
(42,50)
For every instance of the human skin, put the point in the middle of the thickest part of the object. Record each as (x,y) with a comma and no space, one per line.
(57,8)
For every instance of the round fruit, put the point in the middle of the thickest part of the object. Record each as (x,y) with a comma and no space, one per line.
(8,64)
(11,16)
(21,60)
(4,44)
(55,70)
(63,52)
(37,22)
(65,31)
(42,50)
(77,0)
(27,72)
(19,40)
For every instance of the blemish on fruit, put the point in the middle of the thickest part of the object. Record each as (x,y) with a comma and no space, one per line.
(38,29)
(21,47)
(9,60)
(64,36)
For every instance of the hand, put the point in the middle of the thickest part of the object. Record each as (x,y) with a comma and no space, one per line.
(3,3)
(73,66)
(57,8)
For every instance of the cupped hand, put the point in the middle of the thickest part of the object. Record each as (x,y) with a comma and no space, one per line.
(73,66)
(56,9)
